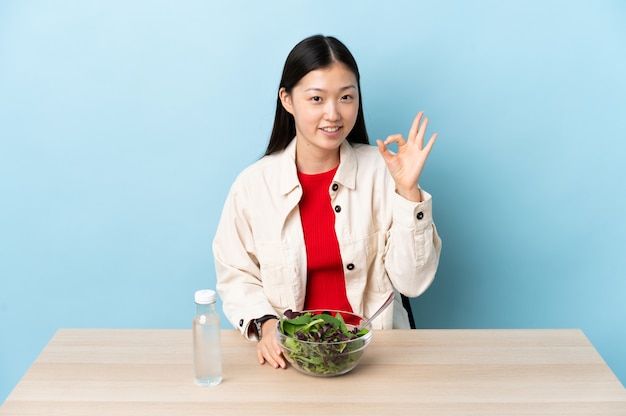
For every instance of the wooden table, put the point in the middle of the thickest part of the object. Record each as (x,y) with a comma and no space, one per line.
(404,372)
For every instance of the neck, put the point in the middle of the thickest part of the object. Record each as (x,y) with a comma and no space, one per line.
(312,161)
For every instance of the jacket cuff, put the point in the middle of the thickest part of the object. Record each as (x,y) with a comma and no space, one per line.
(247,328)
(410,214)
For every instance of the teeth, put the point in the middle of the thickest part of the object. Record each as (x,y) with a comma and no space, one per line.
(330,129)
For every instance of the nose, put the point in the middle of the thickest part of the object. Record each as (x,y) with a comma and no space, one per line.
(331,112)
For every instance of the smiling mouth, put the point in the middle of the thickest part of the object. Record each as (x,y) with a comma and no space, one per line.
(330,129)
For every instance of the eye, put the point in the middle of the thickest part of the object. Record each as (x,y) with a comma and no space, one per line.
(316,99)
(346,98)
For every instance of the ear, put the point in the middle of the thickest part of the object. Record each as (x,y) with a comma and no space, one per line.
(285,99)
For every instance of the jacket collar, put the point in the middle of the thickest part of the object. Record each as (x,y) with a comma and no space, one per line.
(346,173)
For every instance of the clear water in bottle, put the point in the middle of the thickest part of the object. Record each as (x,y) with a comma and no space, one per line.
(206,341)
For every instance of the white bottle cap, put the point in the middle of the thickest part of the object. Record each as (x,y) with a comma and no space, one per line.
(205,296)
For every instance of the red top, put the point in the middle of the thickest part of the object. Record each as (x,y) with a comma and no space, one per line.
(326,284)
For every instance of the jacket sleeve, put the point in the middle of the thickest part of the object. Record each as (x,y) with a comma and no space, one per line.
(238,274)
(413,246)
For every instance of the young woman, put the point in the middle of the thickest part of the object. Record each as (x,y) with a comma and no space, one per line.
(324,220)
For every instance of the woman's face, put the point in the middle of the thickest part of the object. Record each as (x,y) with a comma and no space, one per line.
(324,104)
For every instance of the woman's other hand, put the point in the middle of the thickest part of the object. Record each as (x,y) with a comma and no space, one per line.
(267,349)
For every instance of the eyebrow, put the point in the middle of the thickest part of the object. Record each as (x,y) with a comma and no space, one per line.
(347,87)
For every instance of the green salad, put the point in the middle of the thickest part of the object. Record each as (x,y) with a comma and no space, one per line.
(320,343)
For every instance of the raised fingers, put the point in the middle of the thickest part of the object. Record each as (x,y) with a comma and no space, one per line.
(416,134)
(413,132)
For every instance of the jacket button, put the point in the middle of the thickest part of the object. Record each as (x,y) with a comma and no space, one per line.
(350,266)
(420,215)
(337,208)
(335,187)
(241,322)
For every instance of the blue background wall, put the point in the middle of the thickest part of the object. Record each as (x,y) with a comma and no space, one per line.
(123,124)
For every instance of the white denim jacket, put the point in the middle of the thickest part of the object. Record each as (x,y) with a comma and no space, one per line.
(386,241)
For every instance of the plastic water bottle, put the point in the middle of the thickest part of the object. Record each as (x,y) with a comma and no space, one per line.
(207,357)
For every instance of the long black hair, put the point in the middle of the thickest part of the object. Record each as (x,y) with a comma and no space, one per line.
(312,53)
